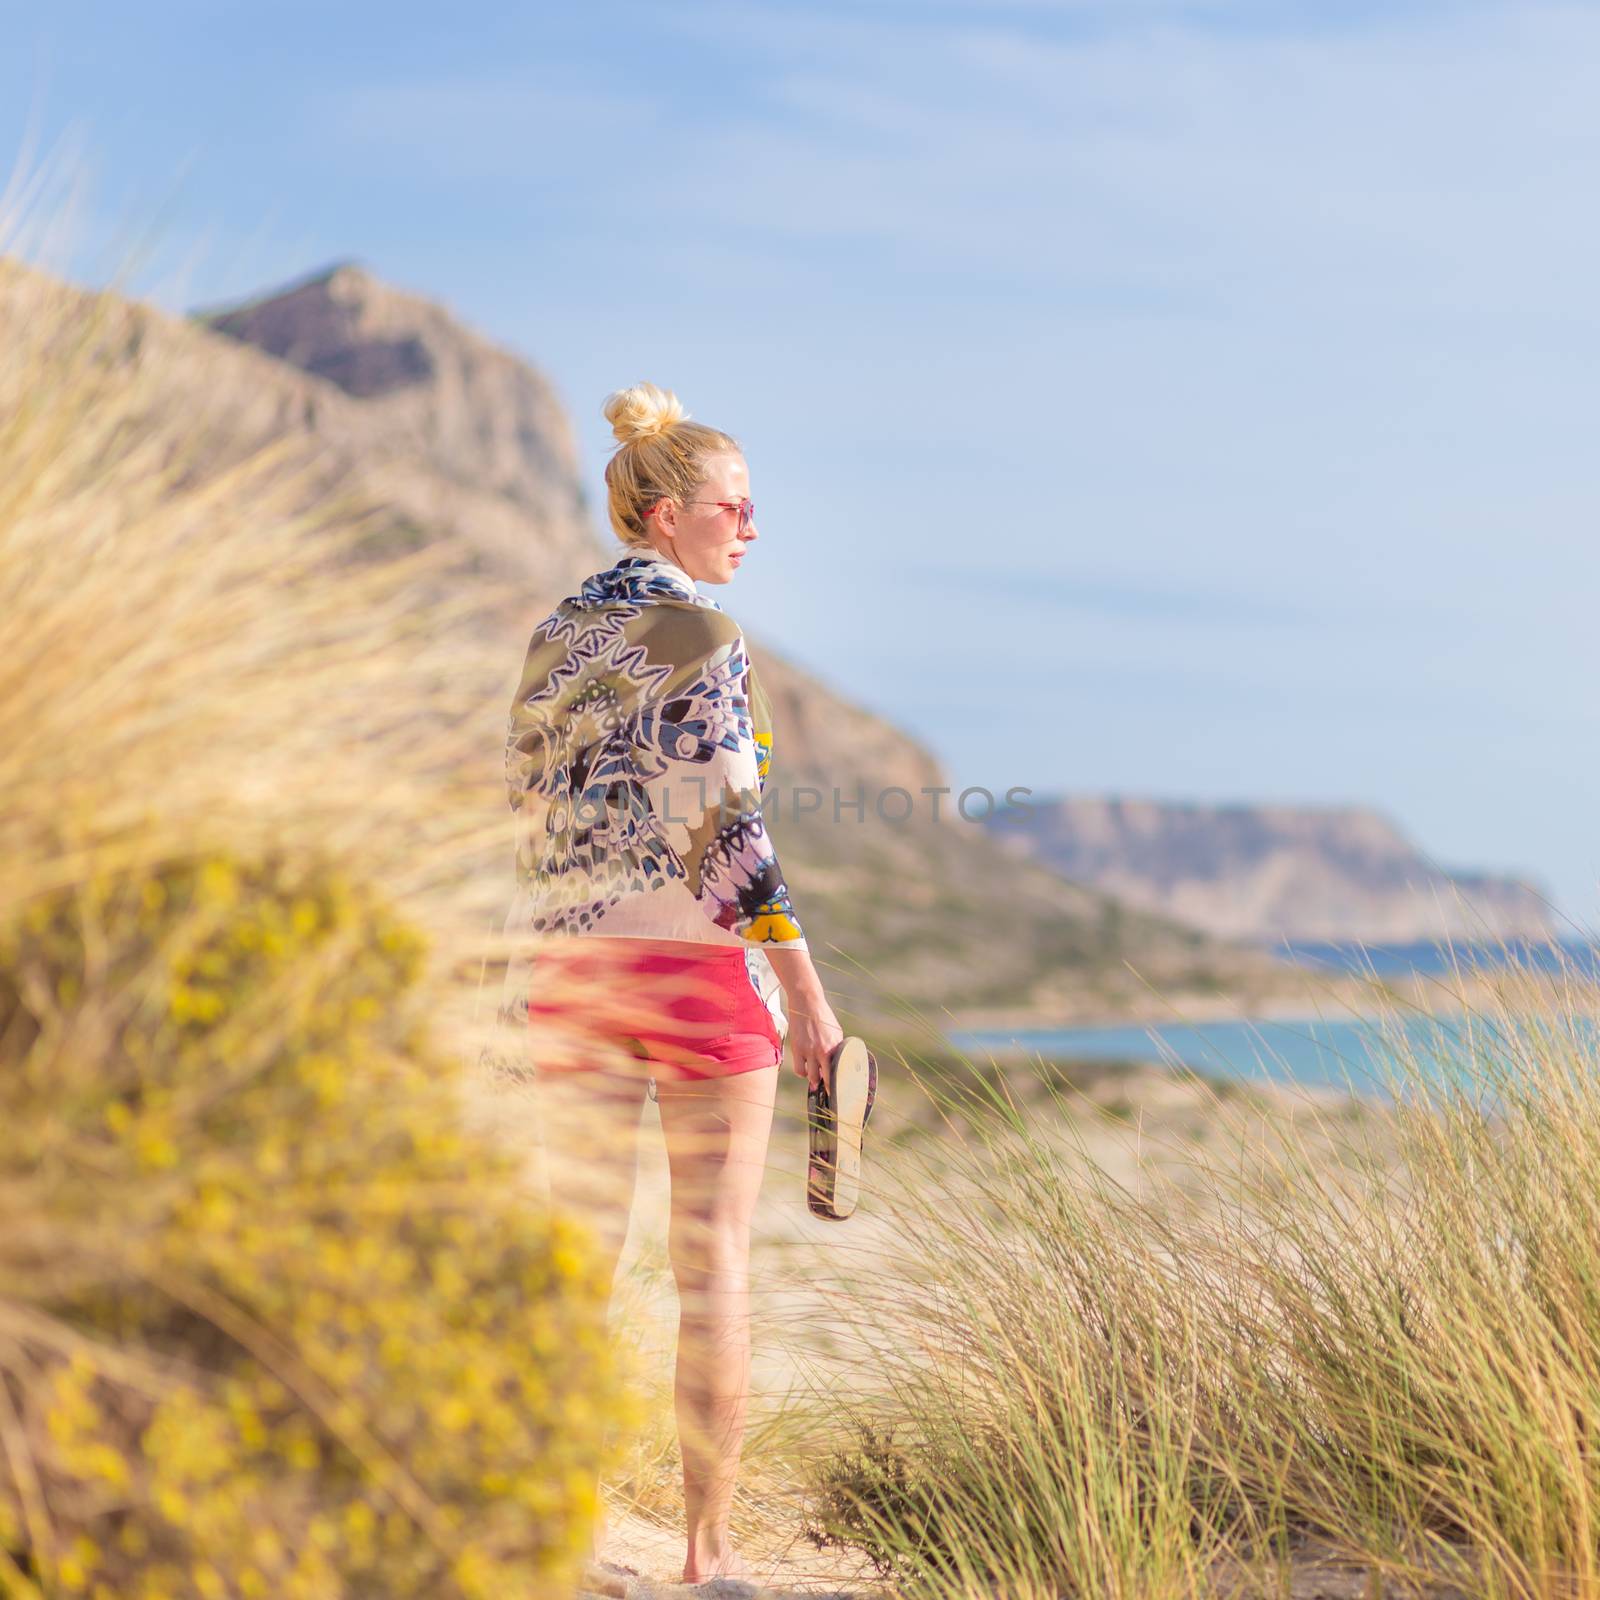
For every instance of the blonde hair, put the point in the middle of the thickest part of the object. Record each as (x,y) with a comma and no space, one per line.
(660,455)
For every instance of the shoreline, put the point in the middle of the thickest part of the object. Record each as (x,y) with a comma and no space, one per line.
(1196,1013)
(1345,1000)
(1180,1017)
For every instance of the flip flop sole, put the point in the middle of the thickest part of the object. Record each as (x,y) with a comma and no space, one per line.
(839,1112)
(849,1112)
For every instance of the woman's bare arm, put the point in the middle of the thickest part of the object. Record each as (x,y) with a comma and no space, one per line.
(813,1028)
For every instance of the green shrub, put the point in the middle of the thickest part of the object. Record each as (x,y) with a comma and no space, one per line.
(272,1323)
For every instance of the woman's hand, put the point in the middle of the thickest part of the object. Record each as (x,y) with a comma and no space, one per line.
(814,1033)
(813,1028)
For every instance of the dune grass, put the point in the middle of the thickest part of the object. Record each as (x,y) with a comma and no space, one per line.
(1375,1337)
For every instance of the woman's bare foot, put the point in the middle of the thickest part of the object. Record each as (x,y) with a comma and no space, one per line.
(725,1563)
(602,1578)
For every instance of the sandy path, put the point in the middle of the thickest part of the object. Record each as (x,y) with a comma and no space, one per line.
(641,1561)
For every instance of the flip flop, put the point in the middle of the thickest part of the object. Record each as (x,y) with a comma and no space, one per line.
(836,1118)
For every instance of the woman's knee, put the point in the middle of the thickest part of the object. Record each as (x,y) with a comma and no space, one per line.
(711,1244)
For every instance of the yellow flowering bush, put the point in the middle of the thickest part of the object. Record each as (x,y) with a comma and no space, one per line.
(272,1322)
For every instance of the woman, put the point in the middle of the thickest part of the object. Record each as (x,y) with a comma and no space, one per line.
(639,744)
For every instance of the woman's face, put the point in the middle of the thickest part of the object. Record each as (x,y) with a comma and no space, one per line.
(703,537)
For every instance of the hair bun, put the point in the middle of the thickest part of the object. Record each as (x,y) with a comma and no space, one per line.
(642,411)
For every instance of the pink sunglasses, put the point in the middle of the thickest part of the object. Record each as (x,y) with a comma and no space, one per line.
(745,508)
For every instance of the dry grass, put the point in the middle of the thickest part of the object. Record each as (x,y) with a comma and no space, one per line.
(190,658)
(1377,1335)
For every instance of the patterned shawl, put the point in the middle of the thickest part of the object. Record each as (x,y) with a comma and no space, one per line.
(637,755)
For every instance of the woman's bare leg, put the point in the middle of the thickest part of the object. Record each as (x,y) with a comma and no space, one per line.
(589,1126)
(589,1122)
(716,1133)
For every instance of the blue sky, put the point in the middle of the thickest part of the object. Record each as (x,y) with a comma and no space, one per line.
(1218,379)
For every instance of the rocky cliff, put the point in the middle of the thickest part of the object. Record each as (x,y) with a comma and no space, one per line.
(456,437)
(1270,872)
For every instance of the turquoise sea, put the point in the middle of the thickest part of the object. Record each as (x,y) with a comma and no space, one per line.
(1316,1053)
(1324,1051)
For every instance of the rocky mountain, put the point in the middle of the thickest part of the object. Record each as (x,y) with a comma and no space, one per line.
(471,443)
(385,406)
(451,433)
(1271,871)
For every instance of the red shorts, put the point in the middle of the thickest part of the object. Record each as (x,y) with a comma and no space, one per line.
(598,1002)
